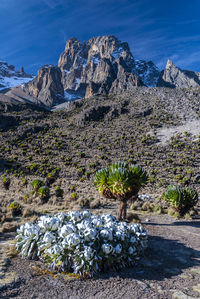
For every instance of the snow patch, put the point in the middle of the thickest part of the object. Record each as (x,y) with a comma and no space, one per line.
(9,82)
(117,52)
(70,96)
(78,81)
(147,72)
(95,60)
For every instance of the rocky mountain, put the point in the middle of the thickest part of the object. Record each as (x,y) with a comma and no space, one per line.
(47,86)
(9,77)
(147,71)
(103,65)
(173,77)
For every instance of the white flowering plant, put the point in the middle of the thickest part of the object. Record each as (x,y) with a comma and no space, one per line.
(81,242)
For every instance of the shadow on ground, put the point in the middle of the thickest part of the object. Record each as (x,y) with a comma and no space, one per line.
(177,223)
(163,259)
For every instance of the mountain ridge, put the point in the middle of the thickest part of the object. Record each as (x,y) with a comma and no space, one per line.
(101,65)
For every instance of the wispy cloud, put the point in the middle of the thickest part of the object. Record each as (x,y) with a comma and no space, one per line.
(154,32)
(52,3)
(187,60)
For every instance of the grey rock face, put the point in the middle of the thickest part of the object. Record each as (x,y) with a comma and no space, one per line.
(102,65)
(147,71)
(173,77)
(47,86)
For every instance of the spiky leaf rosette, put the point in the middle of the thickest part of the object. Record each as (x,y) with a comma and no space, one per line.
(137,176)
(100,180)
(174,195)
(182,199)
(120,180)
(117,165)
(191,196)
(36,184)
(43,192)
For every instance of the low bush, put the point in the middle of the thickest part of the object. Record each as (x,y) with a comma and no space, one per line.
(36,184)
(15,208)
(6,182)
(180,199)
(44,192)
(59,192)
(81,242)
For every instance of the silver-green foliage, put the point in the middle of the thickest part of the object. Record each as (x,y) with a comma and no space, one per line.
(81,242)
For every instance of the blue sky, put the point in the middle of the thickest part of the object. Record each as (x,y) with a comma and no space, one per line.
(34,32)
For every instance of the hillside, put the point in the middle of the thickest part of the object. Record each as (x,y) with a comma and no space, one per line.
(96,107)
(92,133)
(73,144)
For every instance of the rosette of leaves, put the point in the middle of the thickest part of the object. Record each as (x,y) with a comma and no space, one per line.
(180,199)
(15,208)
(120,181)
(101,182)
(43,192)
(6,182)
(36,184)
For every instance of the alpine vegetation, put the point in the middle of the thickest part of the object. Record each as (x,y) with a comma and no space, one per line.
(81,242)
(120,181)
(181,199)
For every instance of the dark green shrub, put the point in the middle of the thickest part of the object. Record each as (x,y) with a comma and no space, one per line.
(16,208)
(6,182)
(74,196)
(36,184)
(180,199)
(120,181)
(44,192)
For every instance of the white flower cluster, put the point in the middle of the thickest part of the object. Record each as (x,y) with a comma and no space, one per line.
(81,242)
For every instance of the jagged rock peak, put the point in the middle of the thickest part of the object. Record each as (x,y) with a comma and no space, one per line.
(103,64)
(47,86)
(170,65)
(108,45)
(174,77)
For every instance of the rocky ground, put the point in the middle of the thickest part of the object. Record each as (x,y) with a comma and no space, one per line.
(70,146)
(169,269)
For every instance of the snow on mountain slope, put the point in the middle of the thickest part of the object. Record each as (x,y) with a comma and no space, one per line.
(147,71)
(103,65)
(10,78)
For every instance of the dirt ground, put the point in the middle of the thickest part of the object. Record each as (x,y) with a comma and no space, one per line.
(170,268)
(192,127)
